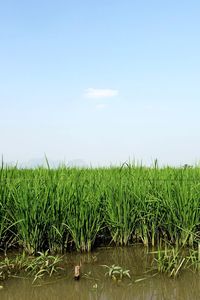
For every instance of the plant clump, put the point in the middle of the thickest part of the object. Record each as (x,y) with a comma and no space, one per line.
(116,272)
(69,208)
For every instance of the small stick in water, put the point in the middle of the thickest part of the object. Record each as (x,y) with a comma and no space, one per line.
(77,272)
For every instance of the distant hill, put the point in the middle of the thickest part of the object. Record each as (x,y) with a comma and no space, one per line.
(80,163)
(39,162)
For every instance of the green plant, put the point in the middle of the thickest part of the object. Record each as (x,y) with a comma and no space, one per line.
(120,208)
(11,266)
(169,261)
(64,208)
(84,218)
(43,265)
(116,272)
(193,259)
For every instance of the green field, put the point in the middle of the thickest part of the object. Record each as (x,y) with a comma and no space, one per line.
(71,208)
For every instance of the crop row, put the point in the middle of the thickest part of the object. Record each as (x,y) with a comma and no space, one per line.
(60,208)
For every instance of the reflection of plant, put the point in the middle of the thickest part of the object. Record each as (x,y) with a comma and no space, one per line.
(116,272)
(44,264)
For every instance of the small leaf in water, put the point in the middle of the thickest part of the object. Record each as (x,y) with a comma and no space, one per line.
(140,279)
(114,278)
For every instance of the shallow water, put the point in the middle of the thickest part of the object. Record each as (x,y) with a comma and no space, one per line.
(94,285)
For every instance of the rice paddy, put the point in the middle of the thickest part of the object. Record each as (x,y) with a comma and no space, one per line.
(70,208)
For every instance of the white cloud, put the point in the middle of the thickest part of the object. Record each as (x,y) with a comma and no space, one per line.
(100,93)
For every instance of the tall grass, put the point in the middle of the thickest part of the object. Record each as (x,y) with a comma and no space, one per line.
(120,206)
(60,208)
(84,210)
(7,236)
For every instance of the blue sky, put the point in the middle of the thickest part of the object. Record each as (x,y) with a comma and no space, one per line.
(102,81)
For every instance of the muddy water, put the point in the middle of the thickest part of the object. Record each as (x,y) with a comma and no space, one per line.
(94,285)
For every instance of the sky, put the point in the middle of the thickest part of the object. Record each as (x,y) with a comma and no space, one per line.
(103,81)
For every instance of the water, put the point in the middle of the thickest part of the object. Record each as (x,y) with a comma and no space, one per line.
(94,285)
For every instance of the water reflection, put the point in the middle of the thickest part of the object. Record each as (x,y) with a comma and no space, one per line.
(94,285)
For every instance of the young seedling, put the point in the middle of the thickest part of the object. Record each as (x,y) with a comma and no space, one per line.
(116,272)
